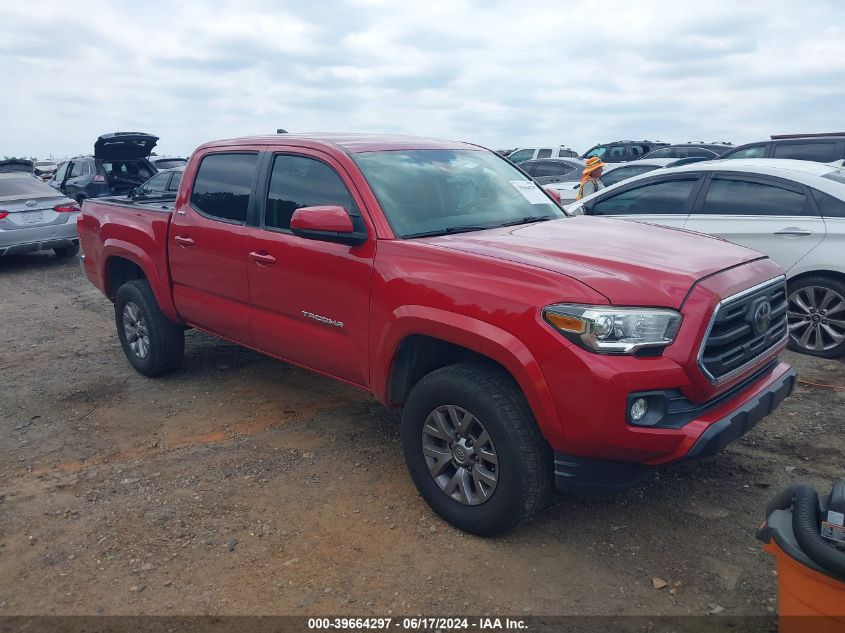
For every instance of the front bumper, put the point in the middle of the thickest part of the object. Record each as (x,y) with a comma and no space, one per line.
(589,475)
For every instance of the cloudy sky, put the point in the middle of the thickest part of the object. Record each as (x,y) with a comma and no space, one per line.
(502,74)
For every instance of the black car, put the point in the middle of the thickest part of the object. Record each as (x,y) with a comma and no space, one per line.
(820,148)
(548,170)
(165,184)
(118,166)
(690,150)
(622,151)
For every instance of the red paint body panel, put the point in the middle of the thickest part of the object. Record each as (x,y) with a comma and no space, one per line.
(345,310)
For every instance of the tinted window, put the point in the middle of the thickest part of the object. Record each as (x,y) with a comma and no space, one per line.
(174,182)
(664,152)
(820,152)
(528,167)
(544,153)
(740,197)
(222,186)
(637,151)
(76,170)
(616,153)
(755,151)
(551,168)
(623,173)
(170,163)
(523,154)
(829,206)
(298,182)
(25,186)
(157,182)
(666,197)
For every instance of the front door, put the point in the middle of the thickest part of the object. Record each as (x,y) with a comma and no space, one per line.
(665,200)
(310,299)
(208,245)
(773,216)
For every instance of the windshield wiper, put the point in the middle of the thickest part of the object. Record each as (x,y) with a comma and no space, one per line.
(451,230)
(529,219)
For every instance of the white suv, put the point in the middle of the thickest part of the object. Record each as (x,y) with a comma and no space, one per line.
(522,154)
(791,210)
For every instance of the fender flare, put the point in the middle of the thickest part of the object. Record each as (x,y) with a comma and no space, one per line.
(478,336)
(161,288)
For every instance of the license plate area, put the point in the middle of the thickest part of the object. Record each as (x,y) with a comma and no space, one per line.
(32,217)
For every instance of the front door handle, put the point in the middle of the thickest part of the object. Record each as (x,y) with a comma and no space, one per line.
(262,259)
(793,230)
(184,241)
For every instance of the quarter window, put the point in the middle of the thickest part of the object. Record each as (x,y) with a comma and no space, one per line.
(829,206)
(298,181)
(222,186)
(668,197)
(740,197)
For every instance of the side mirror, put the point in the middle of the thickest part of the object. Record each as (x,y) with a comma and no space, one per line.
(326,223)
(553,193)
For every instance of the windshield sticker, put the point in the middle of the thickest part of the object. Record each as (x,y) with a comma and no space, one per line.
(531,191)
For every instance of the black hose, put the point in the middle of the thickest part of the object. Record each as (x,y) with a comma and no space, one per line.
(781,501)
(805,525)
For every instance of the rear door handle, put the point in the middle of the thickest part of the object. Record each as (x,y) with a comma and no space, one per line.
(793,230)
(262,259)
(184,241)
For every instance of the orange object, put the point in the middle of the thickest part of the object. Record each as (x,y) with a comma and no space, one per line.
(808,601)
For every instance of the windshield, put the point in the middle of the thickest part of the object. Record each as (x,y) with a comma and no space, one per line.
(25,186)
(170,163)
(431,192)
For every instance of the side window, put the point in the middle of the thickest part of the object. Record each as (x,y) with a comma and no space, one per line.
(755,151)
(528,167)
(596,151)
(623,173)
(174,182)
(60,173)
(638,151)
(819,152)
(76,170)
(741,197)
(829,206)
(521,155)
(544,153)
(157,182)
(222,186)
(549,168)
(298,181)
(668,197)
(616,153)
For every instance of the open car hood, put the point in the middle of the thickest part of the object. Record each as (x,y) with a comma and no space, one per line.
(124,145)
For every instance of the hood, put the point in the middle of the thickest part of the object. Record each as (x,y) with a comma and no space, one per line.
(124,145)
(630,263)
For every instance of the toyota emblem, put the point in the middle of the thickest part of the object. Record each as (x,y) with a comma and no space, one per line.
(762,316)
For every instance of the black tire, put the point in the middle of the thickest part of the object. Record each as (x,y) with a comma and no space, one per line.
(813,289)
(524,470)
(67,251)
(166,340)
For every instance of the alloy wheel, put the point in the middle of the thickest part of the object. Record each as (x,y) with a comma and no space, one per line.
(135,329)
(460,455)
(816,318)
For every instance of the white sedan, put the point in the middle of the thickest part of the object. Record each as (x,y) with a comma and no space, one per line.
(791,210)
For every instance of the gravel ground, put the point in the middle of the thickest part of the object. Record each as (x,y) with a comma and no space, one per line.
(241,485)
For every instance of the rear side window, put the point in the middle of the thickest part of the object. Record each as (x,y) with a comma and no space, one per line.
(756,151)
(741,197)
(668,197)
(550,168)
(221,189)
(298,181)
(623,173)
(820,152)
(76,170)
(544,153)
(829,206)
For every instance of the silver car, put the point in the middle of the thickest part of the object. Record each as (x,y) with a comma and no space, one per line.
(34,217)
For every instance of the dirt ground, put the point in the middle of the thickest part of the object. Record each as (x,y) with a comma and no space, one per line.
(241,485)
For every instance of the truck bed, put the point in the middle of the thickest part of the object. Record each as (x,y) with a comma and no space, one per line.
(162,204)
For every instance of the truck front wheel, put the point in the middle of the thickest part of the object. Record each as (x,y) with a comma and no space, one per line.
(153,344)
(474,450)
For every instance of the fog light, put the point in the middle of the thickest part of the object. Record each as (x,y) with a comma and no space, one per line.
(638,409)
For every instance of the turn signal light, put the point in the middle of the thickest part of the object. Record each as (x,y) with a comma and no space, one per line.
(66,208)
(566,323)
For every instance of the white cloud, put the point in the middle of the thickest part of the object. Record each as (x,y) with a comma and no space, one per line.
(496,73)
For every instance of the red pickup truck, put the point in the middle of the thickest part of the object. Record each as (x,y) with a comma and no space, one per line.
(527,348)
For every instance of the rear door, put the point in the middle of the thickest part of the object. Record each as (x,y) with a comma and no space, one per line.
(208,244)
(774,216)
(665,200)
(74,184)
(310,299)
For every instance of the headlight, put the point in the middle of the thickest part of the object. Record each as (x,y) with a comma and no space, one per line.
(614,330)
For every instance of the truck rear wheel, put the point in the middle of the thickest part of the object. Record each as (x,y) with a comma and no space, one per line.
(153,344)
(474,450)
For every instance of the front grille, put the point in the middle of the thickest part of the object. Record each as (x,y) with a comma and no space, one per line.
(739,334)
